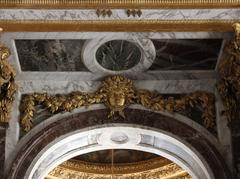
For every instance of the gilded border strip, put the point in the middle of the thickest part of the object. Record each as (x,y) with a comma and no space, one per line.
(118,26)
(119,3)
(125,168)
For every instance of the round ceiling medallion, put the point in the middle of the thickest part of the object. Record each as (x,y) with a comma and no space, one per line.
(118,55)
(119,137)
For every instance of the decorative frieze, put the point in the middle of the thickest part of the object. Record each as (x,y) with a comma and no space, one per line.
(117,93)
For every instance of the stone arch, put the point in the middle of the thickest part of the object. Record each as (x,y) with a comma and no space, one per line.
(171,138)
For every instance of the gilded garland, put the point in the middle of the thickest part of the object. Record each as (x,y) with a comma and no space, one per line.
(117,93)
(229,72)
(7,85)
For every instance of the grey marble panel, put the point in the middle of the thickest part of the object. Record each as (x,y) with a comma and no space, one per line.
(117,55)
(50,55)
(186,54)
(2,148)
(162,86)
(7,36)
(87,76)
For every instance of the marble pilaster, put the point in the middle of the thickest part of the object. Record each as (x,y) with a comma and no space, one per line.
(2,148)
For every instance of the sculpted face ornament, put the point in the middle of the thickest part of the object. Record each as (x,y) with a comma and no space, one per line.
(119,93)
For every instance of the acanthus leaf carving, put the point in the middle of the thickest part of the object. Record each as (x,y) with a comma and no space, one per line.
(229,72)
(7,85)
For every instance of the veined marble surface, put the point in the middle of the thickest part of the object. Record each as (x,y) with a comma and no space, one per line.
(8,39)
(8,36)
(186,54)
(111,56)
(117,14)
(87,76)
(164,86)
(50,55)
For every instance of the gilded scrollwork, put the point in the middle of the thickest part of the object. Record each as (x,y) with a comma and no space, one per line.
(7,85)
(229,72)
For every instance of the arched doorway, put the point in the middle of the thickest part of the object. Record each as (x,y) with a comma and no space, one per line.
(141,130)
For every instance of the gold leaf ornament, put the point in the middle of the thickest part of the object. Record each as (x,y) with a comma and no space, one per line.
(7,85)
(117,93)
(229,72)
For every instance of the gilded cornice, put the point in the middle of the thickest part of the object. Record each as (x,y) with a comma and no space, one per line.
(117,25)
(146,169)
(94,4)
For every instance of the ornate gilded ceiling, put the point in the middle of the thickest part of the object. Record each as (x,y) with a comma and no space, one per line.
(155,168)
(163,56)
(126,163)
